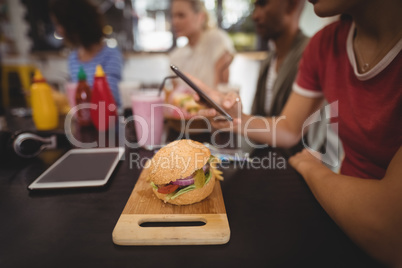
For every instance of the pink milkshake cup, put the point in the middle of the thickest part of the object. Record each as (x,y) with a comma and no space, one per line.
(148,117)
(70,89)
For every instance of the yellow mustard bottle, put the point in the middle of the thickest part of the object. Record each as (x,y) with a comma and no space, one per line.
(44,110)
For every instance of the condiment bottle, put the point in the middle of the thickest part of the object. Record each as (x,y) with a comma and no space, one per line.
(3,121)
(102,97)
(44,110)
(83,96)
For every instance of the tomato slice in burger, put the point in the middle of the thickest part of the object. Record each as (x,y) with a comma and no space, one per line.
(167,189)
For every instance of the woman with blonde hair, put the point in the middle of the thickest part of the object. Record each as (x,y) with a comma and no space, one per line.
(209,50)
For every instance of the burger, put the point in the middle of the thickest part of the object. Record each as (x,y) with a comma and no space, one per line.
(183,172)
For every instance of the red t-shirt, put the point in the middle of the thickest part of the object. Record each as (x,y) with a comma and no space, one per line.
(369,104)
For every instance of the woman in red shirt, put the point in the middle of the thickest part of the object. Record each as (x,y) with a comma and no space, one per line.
(355,64)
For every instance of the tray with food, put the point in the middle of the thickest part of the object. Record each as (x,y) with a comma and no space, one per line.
(181,114)
(177,200)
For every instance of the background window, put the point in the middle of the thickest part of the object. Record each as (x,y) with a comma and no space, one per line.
(151,25)
(145,25)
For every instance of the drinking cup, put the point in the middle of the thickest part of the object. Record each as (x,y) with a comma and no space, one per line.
(147,106)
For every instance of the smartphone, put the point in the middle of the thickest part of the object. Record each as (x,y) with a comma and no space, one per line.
(204,97)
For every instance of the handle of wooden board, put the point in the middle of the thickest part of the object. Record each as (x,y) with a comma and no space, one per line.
(172,222)
(128,230)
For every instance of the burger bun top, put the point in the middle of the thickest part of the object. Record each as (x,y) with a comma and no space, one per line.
(177,160)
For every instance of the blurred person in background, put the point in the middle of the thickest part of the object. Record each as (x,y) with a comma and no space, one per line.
(278,22)
(81,25)
(209,50)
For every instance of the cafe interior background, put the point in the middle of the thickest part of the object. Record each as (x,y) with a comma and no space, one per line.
(140,28)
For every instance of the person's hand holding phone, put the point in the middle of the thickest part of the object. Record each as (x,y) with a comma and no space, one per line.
(230,102)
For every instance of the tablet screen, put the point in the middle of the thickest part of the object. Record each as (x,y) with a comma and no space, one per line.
(80,168)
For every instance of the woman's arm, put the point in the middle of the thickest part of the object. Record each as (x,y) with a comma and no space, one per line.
(285,130)
(282,131)
(369,211)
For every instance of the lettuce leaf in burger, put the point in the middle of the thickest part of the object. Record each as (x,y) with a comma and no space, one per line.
(183,172)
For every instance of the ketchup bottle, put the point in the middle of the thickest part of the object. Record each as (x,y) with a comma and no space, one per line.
(102,97)
(83,96)
(44,110)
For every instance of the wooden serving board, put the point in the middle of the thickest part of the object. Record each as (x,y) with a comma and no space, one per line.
(144,207)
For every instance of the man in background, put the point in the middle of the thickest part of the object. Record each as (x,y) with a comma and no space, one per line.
(277,21)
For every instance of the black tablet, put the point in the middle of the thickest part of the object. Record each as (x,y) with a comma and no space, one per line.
(204,97)
(80,168)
